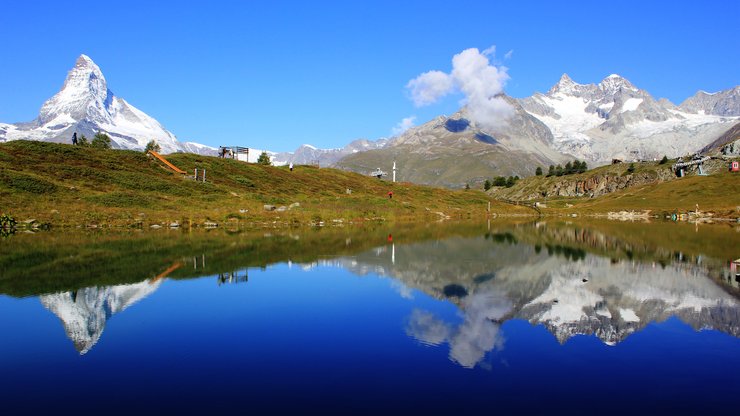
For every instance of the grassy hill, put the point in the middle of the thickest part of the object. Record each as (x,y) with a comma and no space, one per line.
(450,166)
(67,185)
(651,186)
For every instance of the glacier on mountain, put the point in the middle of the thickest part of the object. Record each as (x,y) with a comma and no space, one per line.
(615,119)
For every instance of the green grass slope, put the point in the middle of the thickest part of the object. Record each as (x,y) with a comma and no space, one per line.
(67,185)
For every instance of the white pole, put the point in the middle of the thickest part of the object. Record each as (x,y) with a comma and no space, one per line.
(394,171)
(204,175)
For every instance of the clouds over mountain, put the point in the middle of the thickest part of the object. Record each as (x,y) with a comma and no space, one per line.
(477,78)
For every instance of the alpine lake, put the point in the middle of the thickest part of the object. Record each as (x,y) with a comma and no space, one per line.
(500,317)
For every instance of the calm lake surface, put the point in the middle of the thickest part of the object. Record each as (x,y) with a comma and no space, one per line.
(497,318)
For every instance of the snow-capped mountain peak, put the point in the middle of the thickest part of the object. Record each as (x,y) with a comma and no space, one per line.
(615,83)
(86,106)
(84,94)
(565,84)
(613,119)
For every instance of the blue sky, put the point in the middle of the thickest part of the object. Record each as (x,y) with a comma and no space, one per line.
(278,74)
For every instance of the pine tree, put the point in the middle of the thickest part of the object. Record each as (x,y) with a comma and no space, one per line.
(551,171)
(583,167)
(510,182)
(538,172)
(558,170)
(487,185)
(101,141)
(82,141)
(664,160)
(568,168)
(152,145)
(264,159)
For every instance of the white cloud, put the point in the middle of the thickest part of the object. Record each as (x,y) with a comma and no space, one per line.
(403,125)
(429,87)
(489,51)
(477,78)
(403,290)
(427,329)
(470,341)
(481,82)
(509,54)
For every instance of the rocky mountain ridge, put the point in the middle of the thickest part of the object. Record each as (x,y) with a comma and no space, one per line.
(592,122)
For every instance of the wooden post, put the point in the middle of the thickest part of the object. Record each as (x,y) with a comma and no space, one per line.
(196,174)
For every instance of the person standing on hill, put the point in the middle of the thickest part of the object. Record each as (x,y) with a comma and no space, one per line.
(291,166)
(74,139)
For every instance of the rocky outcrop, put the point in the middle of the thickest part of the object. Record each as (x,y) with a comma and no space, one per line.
(604,184)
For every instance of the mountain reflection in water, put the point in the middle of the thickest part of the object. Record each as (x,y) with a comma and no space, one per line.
(492,278)
(586,294)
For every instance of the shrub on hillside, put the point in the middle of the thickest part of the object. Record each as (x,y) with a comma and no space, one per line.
(264,159)
(27,183)
(82,141)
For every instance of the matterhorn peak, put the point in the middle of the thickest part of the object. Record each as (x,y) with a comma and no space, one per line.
(86,75)
(84,59)
(85,106)
(84,94)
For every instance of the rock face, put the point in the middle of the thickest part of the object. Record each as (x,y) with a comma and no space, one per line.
(723,103)
(86,106)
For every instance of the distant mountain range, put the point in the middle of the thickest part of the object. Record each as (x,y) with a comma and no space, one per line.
(309,155)
(592,122)
(615,119)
